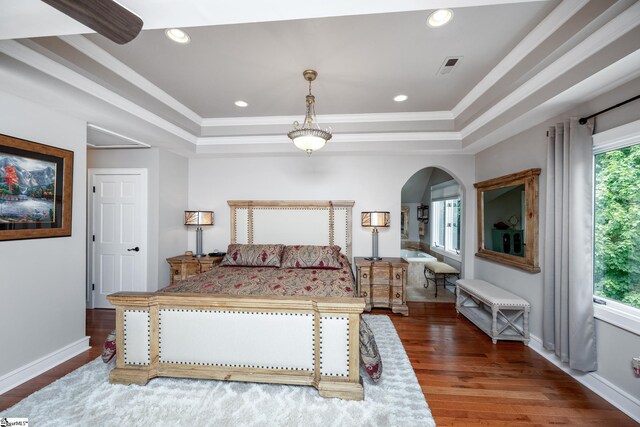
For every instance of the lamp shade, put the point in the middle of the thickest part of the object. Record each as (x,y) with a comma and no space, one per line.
(309,142)
(375,219)
(198,218)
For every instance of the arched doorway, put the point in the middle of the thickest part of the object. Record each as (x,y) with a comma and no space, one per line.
(431,215)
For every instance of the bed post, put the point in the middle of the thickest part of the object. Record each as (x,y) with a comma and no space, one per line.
(146,308)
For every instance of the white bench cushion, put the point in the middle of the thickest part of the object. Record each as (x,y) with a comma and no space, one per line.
(491,293)
(440,267)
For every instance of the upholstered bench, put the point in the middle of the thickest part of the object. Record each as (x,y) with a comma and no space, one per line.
(439,270)
(508,318)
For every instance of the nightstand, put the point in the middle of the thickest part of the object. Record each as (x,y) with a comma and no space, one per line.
(383,283)
(185,266)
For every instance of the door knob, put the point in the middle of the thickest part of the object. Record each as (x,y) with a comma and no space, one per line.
(136,249)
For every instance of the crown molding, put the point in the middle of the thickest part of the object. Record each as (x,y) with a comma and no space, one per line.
(139,144)
(601,38)
(604,81)
(329,118)
(539,34)
(102,57)
(349,137)
(58,71)
(621,24)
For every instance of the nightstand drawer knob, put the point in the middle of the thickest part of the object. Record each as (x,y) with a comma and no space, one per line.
(364,276)
(398,276)
(364,294)
(397,295)
(177,272)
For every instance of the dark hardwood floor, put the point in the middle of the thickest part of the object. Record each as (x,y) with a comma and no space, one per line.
(469,381)
(465,378)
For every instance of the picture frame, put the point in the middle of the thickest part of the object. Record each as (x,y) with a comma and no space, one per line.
(498,240)
(36,190)
(404,222)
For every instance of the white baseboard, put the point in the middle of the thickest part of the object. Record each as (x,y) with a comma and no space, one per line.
(37,367)
(613,394)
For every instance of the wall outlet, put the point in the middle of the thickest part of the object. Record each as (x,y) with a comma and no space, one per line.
(635,362)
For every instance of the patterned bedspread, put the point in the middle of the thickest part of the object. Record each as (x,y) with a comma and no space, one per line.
(286,282)
(236,280)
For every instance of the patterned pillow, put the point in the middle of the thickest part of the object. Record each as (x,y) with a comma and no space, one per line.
(109,347)
(369,355)
(253,255)
(299,256)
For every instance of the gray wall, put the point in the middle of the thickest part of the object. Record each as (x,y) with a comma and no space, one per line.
(167,201)
(42,284)
(528,150)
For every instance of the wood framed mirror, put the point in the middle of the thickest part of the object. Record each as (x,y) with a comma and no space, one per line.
(404,223)
(508,220)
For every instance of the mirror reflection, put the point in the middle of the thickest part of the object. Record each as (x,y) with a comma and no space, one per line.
(508,220)
(504,229)
(404,223)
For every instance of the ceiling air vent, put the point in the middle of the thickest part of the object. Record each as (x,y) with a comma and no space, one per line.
(449,65)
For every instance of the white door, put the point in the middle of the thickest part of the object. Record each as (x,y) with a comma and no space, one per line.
(119,232)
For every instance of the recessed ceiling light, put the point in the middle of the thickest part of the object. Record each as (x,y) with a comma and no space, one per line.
(177,35)
(241,104)
(400,98)
(439,17)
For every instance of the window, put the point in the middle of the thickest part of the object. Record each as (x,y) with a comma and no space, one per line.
(617,227)
(445,222)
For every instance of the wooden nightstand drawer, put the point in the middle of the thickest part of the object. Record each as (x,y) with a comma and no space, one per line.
(364,277)
(365,291)
(380,275)
(190,269)
(380,296)
(397,294)
(397,276)
(380,293)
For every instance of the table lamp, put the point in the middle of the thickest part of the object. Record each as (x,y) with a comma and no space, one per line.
(376,220)
(198,218)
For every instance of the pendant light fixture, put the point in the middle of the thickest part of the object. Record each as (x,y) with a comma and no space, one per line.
(309,137)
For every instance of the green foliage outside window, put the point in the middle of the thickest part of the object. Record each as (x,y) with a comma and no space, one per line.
(617,225)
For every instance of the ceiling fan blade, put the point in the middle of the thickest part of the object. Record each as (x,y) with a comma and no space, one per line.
(106,17)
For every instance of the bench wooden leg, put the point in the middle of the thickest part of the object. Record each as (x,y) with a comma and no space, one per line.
(494,324)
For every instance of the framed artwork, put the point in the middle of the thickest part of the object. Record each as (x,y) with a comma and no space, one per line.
(36,185)
(404,223)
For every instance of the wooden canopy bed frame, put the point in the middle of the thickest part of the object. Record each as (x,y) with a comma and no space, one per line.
(270,339)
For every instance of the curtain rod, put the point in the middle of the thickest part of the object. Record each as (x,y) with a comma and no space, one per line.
(583,120)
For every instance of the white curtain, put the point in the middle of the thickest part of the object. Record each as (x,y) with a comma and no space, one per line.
(568,323)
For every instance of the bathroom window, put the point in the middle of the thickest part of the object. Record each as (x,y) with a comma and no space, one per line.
(445,224)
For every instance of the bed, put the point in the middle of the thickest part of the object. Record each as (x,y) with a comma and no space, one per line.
(228,328)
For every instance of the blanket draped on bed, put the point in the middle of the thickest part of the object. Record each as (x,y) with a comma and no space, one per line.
(311,282)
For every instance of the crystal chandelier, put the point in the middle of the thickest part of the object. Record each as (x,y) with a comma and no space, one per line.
(309,137)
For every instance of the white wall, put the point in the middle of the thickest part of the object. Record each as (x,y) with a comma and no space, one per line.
(214,181)
(528,150)
(172,202)
(167,201)
(42,281)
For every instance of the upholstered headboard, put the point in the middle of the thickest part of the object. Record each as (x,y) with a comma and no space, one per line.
(292,222)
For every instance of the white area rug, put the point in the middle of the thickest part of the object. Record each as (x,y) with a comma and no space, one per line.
(85,398)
